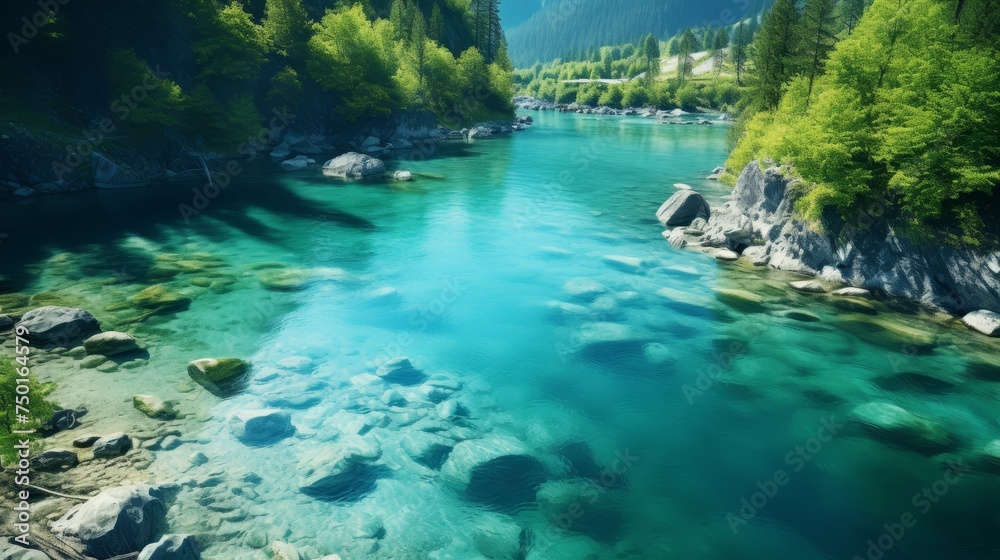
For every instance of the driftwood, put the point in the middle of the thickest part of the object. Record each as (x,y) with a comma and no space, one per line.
(59,494)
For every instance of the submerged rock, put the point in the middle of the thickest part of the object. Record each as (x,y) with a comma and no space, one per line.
(155,407)
(353,165)
(56,459)
(497,472)
(112,445)
(117,521)
(159,297)
(682,208)
(427,449)
(584,289)
(986,322)
(987,458)
(808,286)
(889,334)
(172,547)
(344,472)
(58,325)
(258,428)
(607,340)
(400,370)
(220,376)
(895,425)
(633,265)
(110,343)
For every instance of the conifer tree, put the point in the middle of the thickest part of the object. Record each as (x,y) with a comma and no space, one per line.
(741,41)
(818,25)
(651,56)
(776,52)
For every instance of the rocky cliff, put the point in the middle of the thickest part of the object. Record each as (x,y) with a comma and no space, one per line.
(757,220)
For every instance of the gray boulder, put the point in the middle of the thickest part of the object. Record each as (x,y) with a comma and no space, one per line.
(400,370)
(258,428)
(353,165)
(172,547)
(986,322)
(55,459)
(344,472)
(10,551)
(58,325)
(112,445)
(683,208)
(117,521)
(110,343)
(760,211)
(499,471)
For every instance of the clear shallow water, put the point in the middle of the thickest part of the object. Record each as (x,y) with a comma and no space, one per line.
(649,440)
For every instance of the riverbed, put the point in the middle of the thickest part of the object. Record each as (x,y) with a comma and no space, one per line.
(663,404)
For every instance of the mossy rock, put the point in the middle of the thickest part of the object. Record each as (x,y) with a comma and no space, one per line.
(741,300)
(889,334)
(192,266)
(155,407)
(160,297)
(892,424)
(161,271)
(285,280)
(201,282)
(167,257)
(221,376)
(92,361)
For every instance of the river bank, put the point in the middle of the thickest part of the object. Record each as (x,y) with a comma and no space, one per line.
(757,223)
(668,117)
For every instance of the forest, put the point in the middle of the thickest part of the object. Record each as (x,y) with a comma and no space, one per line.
(216,71)
(890,117)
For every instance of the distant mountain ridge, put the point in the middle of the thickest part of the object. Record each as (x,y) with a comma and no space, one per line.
(563,27)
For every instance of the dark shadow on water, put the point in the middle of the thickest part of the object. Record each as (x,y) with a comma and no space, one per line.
(351,486)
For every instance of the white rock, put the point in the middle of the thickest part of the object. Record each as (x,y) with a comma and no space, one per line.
(808,286)
(986,322)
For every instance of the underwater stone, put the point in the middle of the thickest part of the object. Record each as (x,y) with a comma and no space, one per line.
(604,339)
(429,450)
(497,472)
(154,407)
(112,445)
(159,297)
(633,265)
(888,334)
(400,370)
(808,286)
(258,428)
(342,472)
(584,289)
(110,343)
(221,376)
(895,425)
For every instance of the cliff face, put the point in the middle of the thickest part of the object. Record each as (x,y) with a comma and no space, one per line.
(759,214)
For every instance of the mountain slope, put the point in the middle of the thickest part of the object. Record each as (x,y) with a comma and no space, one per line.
(563,27)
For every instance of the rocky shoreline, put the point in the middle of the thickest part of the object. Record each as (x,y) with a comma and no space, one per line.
(669,117)
(757,224)
(37,166)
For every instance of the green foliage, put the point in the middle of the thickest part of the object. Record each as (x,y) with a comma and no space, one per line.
(901,125)
(287,27)
(39,407)
(286,88)
(354,58)
(776,52)
(651,56)
(162,102)
(232,45)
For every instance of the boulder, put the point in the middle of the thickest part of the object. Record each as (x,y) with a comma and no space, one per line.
(425,448)
(110,343)
(55,459)
(85,441)
(497,537)
(112,445)
(897,426)
(584,289)
(221,376)
(353,165)
(343,472)
(402,176)
(725,255)
(888,334)
(400,370)
(632,265)
(986,322)
(58,325)
(808,286)
(682,208)
(675,237)
(172,547)
(155,407)
(608,340)
(258,428)
(159,297)
(757,255)
(742,300)
(498,472)
(116,522)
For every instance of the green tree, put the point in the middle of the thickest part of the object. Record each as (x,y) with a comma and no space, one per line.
(436,29)
(231,45)
(850,12)
(287,27)
(685,60)
(775,52)
(354,58)
(818,38)
(738,53)
(651,57)
(719,44)
(35,401)
(164,103)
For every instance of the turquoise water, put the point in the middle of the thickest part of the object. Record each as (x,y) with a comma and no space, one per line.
(648,403)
